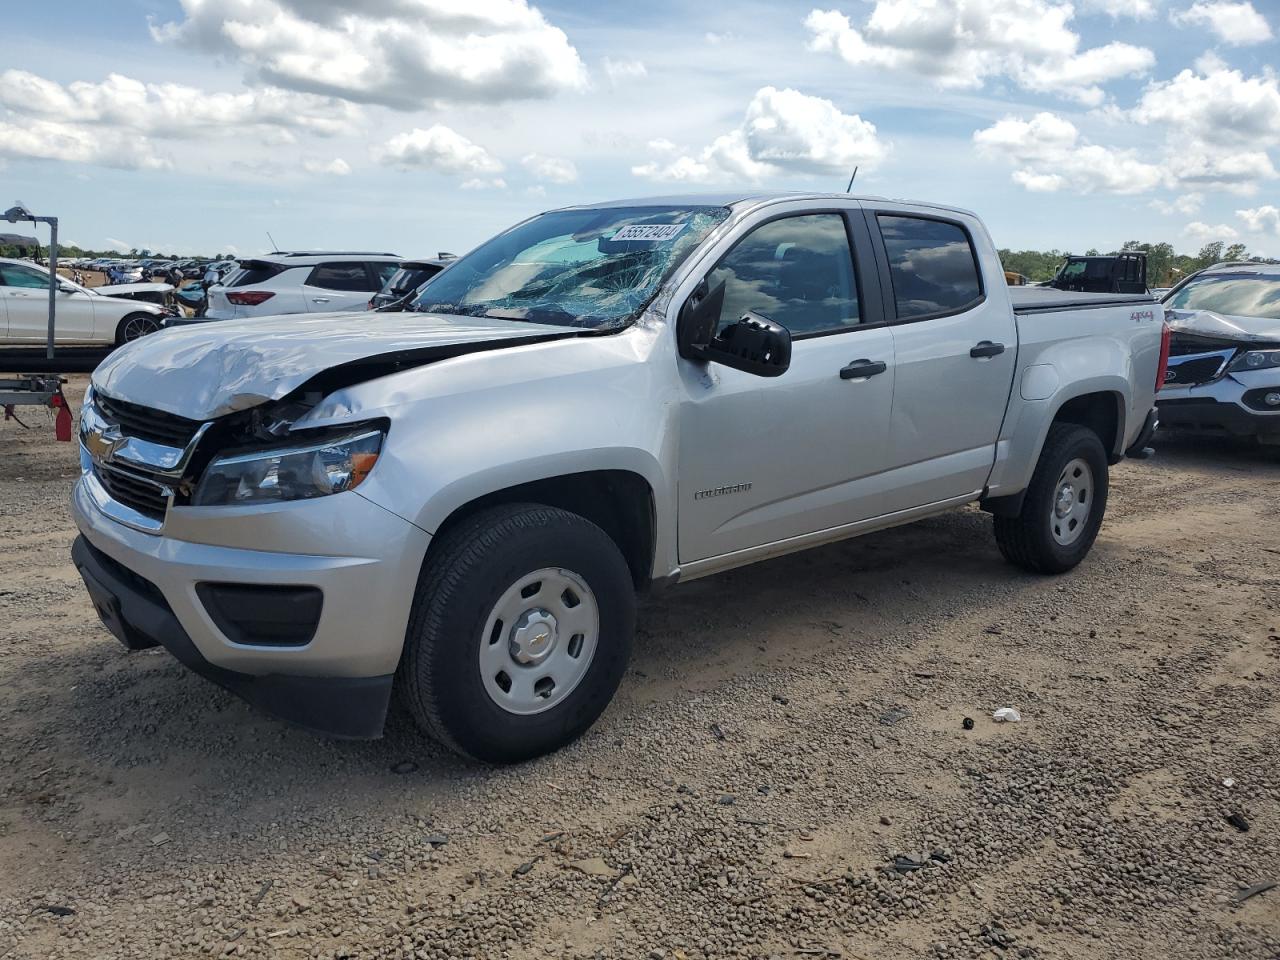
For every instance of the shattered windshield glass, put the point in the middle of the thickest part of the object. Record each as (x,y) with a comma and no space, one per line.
(588,268)
(1231,294)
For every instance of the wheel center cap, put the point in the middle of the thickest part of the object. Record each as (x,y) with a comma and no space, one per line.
(1066,500)
(533,636)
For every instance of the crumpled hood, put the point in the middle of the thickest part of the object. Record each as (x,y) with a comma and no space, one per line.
(116,289)
(211,369)
(1205,323)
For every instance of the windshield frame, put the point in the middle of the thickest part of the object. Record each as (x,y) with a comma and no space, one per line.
(723,212)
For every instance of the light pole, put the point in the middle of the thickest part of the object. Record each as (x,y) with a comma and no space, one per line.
(19,212)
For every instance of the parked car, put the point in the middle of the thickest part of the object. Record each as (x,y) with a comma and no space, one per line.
(1224,368)
(161,294)
(300,282)
(402,284)
(600,400)
(82,317)
(1118,273)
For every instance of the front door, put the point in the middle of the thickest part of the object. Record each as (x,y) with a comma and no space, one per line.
(955,350)
(346,285)
(25,291)
(766,459)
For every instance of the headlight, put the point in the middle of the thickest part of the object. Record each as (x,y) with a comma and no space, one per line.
(1255,360)
(292,473)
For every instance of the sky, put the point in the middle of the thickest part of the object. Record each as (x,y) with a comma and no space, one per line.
(418,126)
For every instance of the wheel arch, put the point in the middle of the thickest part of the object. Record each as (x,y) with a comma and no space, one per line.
(621,502)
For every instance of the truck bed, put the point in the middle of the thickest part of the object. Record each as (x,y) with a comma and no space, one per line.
(1048,299)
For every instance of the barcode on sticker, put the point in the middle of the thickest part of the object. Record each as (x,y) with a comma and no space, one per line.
(653,232)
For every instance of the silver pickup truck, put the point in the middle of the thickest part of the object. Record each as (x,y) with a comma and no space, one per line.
(460,503)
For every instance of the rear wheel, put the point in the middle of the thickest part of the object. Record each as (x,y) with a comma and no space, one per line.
(520,632)
(134,326)
(1064,504)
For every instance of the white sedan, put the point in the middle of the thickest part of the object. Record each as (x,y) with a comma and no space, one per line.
(82,317)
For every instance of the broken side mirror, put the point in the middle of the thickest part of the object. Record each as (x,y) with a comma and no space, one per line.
(754,344)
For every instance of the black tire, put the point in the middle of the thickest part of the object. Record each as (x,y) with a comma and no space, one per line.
(467,572)
(129,324)
(1027,540)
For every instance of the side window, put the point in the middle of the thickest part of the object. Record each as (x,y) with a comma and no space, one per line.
(932,264)
(15,276)
(797,271)
(383,272)
(341,276)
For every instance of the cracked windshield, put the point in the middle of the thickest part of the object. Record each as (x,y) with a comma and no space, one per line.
(587,268)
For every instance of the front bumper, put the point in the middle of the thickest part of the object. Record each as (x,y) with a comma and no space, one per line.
(1222,407)
(363,559)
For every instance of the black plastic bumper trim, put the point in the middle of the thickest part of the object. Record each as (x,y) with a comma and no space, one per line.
(1205,415)
(135,612)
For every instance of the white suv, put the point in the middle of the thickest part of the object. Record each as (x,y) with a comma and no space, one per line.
(301,282)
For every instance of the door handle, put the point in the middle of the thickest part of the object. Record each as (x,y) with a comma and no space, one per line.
(326,300)
(986,348)
(861,369)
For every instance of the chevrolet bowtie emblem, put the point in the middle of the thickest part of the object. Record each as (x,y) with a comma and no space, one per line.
(102,444)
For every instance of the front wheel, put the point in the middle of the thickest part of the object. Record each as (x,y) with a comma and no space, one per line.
(135,326)
(1064,504)
(520,632)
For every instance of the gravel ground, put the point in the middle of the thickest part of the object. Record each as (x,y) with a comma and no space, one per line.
(785,772)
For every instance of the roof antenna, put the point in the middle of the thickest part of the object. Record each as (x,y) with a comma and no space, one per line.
(849,188)
(275,248)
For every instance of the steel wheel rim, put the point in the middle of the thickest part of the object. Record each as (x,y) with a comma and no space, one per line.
(1072,502)
(538,641)
(139,327)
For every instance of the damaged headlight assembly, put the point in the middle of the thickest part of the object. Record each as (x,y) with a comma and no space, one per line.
(317,469)
(1255,360)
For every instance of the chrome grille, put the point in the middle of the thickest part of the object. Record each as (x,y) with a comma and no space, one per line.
(1196,368)
(145,423)
(134,490)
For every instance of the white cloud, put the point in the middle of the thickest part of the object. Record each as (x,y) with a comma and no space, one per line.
(962,43)
(484,183)
(120,245)
(1186,204)
(1217,125)
(1137,9)
(437,148)
(552,169)
(1049,154)
(48,140)
(1235,22)
(783,132)
(1206,233)
(1263,219)
(621,72)
(1216,105)
(336,167)
(400,53)
(171,110)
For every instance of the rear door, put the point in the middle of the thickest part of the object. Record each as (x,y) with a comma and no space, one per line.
(25,291)
(340,285)
(955,348)
(766,459)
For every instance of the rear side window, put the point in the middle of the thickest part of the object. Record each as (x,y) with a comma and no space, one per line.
(343,276)
(254,272)
(932,264)
(384,271)
(15,276)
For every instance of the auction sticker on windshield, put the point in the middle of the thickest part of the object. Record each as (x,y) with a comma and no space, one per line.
(653,232)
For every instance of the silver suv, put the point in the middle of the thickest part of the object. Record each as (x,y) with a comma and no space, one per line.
(1224,370)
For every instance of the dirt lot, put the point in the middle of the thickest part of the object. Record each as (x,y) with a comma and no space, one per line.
(785,733)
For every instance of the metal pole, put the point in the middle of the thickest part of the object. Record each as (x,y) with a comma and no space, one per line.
(53,279)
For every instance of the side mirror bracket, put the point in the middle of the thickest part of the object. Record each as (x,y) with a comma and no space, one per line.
(754,344)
